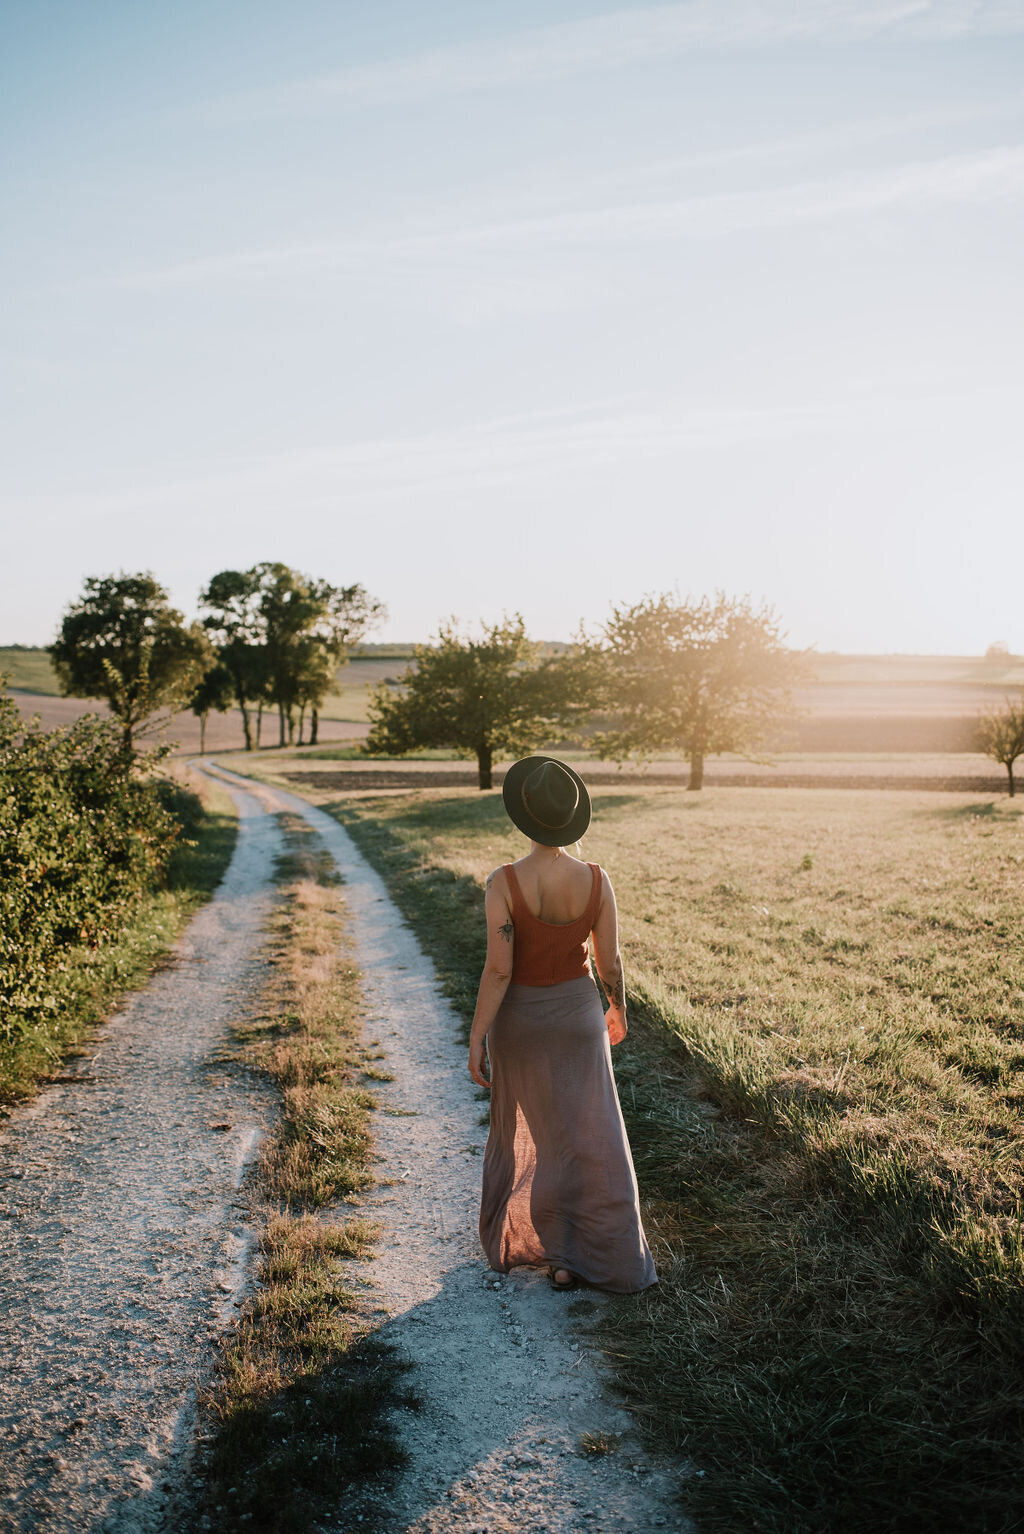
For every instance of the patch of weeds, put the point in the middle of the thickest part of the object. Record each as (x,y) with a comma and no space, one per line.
(596,1444)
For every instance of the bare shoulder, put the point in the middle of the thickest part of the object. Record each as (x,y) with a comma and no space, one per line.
(496,880)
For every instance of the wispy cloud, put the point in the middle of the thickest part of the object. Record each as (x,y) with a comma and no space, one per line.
(598,44)
(514,450)
(988,176)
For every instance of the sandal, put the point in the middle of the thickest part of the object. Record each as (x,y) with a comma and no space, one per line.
(573,1281)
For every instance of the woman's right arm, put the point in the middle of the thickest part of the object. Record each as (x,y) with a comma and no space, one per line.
(497,971)
(609,962)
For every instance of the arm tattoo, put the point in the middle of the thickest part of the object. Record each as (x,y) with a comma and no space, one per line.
(506,930)
(615,989)
(490,879)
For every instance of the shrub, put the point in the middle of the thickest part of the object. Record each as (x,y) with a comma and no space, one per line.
(84,834)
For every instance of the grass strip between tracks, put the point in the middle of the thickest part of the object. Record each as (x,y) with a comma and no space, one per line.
(299,1409)
(820,1084)
(92,981)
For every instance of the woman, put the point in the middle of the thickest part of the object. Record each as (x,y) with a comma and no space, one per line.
(559,1187)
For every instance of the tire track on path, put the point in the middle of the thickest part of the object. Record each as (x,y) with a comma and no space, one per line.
(123,1235)
(508,1381)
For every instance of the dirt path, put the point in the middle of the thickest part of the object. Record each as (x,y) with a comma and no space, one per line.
(508,1378)
(123,1245)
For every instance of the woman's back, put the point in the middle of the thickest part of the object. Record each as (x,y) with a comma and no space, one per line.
(551,947)
(555,891)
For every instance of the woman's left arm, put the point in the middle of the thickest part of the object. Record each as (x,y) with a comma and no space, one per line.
(497,971)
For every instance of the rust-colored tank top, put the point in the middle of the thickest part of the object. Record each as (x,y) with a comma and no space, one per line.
(549,952)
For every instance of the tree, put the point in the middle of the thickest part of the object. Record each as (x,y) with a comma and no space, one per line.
(215,690)
(700,677)
(289,608)
(123,641)
(283,635)
(235,624)
(348,614)
(476,696)
(1001,735)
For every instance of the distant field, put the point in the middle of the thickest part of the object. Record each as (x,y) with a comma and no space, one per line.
(922,670)
(223,733)
(29,670)
(32,671)
(899,703)
(350,697)
(823,1085)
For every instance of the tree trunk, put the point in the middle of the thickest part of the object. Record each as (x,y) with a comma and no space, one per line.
(202,734)
(259,724)
(291,727)
(246,723)
(696,770)
(483,762)
(302,722)
(280,725)
(314,725)
(1009,773)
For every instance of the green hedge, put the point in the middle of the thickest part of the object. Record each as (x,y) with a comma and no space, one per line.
(85,832)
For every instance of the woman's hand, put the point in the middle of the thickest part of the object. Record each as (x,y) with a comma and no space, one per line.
(615,1017)
(476,1065)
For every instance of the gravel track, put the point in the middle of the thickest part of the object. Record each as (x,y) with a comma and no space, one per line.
(124,1243)
(508,1379)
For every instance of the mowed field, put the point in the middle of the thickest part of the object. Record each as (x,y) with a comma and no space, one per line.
(823,1085)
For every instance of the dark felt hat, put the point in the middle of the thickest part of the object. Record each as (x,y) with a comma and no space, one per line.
(547,800)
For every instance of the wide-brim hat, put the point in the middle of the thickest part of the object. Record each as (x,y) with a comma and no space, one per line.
(546,800)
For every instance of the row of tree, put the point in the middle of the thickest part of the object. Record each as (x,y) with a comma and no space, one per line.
(270,638)
(695,677)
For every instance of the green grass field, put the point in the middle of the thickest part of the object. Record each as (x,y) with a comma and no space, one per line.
(822,1085)
(29,671)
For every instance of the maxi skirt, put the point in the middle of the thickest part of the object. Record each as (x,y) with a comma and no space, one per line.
(559,1188)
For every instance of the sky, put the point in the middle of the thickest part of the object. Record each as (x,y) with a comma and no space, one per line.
(535,308)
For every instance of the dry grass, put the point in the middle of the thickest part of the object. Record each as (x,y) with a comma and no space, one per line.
(597,1444)
(301,1405)
(822,1085)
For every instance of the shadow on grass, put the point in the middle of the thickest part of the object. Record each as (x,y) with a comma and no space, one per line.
(823,1342)
(327,1452)
(208,838)
(283,1461)
(1004,810)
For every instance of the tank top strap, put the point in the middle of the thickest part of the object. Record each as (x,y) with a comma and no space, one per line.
(595,897)
(519,906)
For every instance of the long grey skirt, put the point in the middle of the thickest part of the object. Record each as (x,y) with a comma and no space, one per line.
(559,1186)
